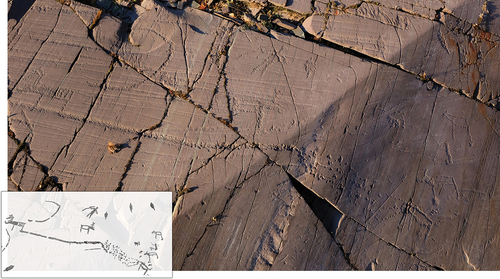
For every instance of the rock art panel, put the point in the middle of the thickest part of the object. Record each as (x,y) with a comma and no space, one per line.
(352,149)
(265,200)
(158,45)
(22,46)
(467,65)
(186,140)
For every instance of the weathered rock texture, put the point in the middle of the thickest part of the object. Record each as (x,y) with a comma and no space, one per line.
(458,53)
(378,150)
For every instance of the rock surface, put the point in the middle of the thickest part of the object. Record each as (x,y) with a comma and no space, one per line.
(467,50)
(376,150)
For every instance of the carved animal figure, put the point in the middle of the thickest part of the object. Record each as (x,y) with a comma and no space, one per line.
(144,267)
(149,254)
(87,227)
(10,220)
(157,233)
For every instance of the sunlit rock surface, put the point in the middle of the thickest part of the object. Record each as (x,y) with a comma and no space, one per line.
(372,144)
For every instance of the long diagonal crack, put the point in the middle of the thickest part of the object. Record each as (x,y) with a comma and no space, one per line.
(101,88)
(69,71)
(183,41)
(331,217)
(138,138)
(289,87)
(217,219)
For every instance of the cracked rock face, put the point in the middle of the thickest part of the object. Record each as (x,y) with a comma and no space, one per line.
(371,144)
(459,53)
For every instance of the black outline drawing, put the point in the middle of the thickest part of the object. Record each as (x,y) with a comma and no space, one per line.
(149,254)
(14,223)
(87,227)
(157,233)
(143,266)
(155,246)
(58,207)
(152,206)
(93,249)
(57,210)
(93,209)
(114,250)
(8,241)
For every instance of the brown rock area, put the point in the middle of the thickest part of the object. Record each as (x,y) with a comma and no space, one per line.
(412,40)
(372,144)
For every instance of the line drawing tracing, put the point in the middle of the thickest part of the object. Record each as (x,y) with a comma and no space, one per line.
(93,209)
(94,246)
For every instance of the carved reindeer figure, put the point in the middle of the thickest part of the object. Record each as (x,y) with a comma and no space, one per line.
(157,233)
(149,254)
(87,227)
(10,220)
(144,267)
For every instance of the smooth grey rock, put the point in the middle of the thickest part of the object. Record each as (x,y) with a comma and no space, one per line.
(135,102)
(338,166)
(128,104)
(149,4)
(299,32)
(22,170)
(87,164)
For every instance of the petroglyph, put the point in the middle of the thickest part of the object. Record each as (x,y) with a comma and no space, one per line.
(293,134)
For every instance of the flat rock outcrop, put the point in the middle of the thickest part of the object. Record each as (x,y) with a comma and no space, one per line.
(370,144)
